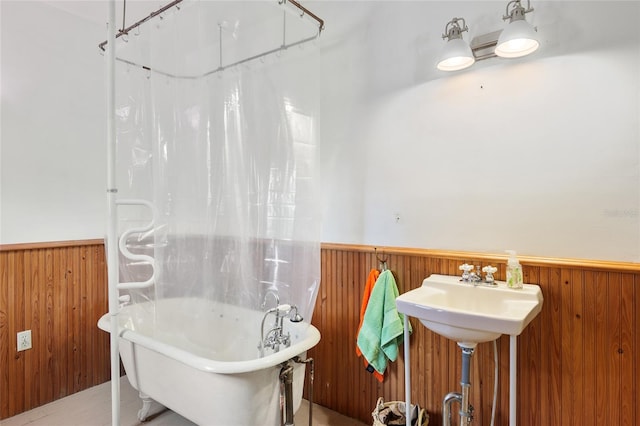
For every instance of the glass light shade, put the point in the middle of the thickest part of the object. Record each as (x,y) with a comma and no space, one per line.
(456,55)
(517,39)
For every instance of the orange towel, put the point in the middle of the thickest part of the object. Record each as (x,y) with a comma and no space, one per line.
(371,281)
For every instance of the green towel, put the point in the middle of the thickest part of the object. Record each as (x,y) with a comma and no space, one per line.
(382,328)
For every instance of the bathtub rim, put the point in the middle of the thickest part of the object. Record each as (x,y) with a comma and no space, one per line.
(311,339)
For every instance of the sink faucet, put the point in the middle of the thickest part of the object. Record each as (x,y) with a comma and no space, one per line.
(475,277)
(275,336)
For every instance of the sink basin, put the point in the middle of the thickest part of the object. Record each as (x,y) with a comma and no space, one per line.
(471,314)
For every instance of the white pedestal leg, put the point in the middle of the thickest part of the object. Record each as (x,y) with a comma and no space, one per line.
(407,371)
(513,372)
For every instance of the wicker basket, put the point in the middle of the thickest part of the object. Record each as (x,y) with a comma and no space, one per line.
(394,413)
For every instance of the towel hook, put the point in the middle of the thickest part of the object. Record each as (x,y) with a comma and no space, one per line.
(381,261)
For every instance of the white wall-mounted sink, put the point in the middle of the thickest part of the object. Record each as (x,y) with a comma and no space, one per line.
(471,314)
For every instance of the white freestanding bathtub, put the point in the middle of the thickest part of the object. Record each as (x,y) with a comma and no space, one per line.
(202,361)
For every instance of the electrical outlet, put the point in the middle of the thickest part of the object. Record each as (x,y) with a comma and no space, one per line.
(24,340)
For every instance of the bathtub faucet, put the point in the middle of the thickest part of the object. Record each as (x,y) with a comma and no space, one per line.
(274,295)
(275,336)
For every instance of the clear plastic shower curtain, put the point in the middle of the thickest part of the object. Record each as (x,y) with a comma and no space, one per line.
(226,155)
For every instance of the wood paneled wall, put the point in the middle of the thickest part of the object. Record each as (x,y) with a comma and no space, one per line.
(58,291)
(578,361)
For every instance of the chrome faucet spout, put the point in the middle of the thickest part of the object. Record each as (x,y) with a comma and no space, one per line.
(274,295)
(261,345)
(475,277)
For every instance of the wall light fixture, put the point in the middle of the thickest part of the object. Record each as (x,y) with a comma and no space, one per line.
(456,54)
(518,39)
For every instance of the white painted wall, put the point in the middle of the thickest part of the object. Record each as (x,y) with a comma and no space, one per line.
(52,166)
(538,154)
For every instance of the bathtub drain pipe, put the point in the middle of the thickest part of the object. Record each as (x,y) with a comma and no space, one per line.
(286,383)
(310,393)
(286,378)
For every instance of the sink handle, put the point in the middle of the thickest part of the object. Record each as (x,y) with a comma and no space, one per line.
(489,271)
(466,269)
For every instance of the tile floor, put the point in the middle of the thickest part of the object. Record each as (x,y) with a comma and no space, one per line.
(92,407)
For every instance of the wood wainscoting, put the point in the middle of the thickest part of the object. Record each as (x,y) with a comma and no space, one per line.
(58,291)
(578,361)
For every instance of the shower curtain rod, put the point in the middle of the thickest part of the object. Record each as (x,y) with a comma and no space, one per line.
(221,67)
(125,31)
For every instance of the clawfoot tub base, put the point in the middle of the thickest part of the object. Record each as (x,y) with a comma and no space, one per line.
(210,385)
(149,407)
